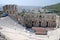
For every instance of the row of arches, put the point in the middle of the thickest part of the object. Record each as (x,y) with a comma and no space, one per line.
(40,24)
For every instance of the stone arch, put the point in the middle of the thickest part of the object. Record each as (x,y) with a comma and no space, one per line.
(46,24)
(39,23)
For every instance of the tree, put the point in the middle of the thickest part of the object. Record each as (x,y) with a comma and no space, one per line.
(1,12)
(23,12)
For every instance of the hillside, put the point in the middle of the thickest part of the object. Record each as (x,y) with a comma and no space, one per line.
(54,8)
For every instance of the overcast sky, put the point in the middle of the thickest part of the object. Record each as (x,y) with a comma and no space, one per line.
(30,2)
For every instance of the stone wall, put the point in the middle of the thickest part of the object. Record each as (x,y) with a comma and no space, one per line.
(46,20)
(11,10)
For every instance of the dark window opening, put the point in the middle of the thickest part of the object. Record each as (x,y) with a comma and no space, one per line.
(39,24)
(46,24)
(32,23)
(7,11)
(40,16)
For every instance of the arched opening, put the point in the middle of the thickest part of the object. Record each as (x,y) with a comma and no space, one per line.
(39,24)
(7,11)
(46,24)
(32,23)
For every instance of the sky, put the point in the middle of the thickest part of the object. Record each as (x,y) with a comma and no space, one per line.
(29,2)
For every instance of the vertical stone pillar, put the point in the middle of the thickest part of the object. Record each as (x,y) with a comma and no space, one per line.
(57,21)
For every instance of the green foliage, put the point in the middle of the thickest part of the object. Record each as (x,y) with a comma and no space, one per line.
(1,12)
(54,8)
(23,12)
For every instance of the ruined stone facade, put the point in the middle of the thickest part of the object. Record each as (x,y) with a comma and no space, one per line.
(11,10)
(39,20)
(32,19)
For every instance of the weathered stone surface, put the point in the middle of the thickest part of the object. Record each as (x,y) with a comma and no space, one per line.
(2,37)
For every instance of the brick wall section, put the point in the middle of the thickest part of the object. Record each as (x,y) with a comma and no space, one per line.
(40,31)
